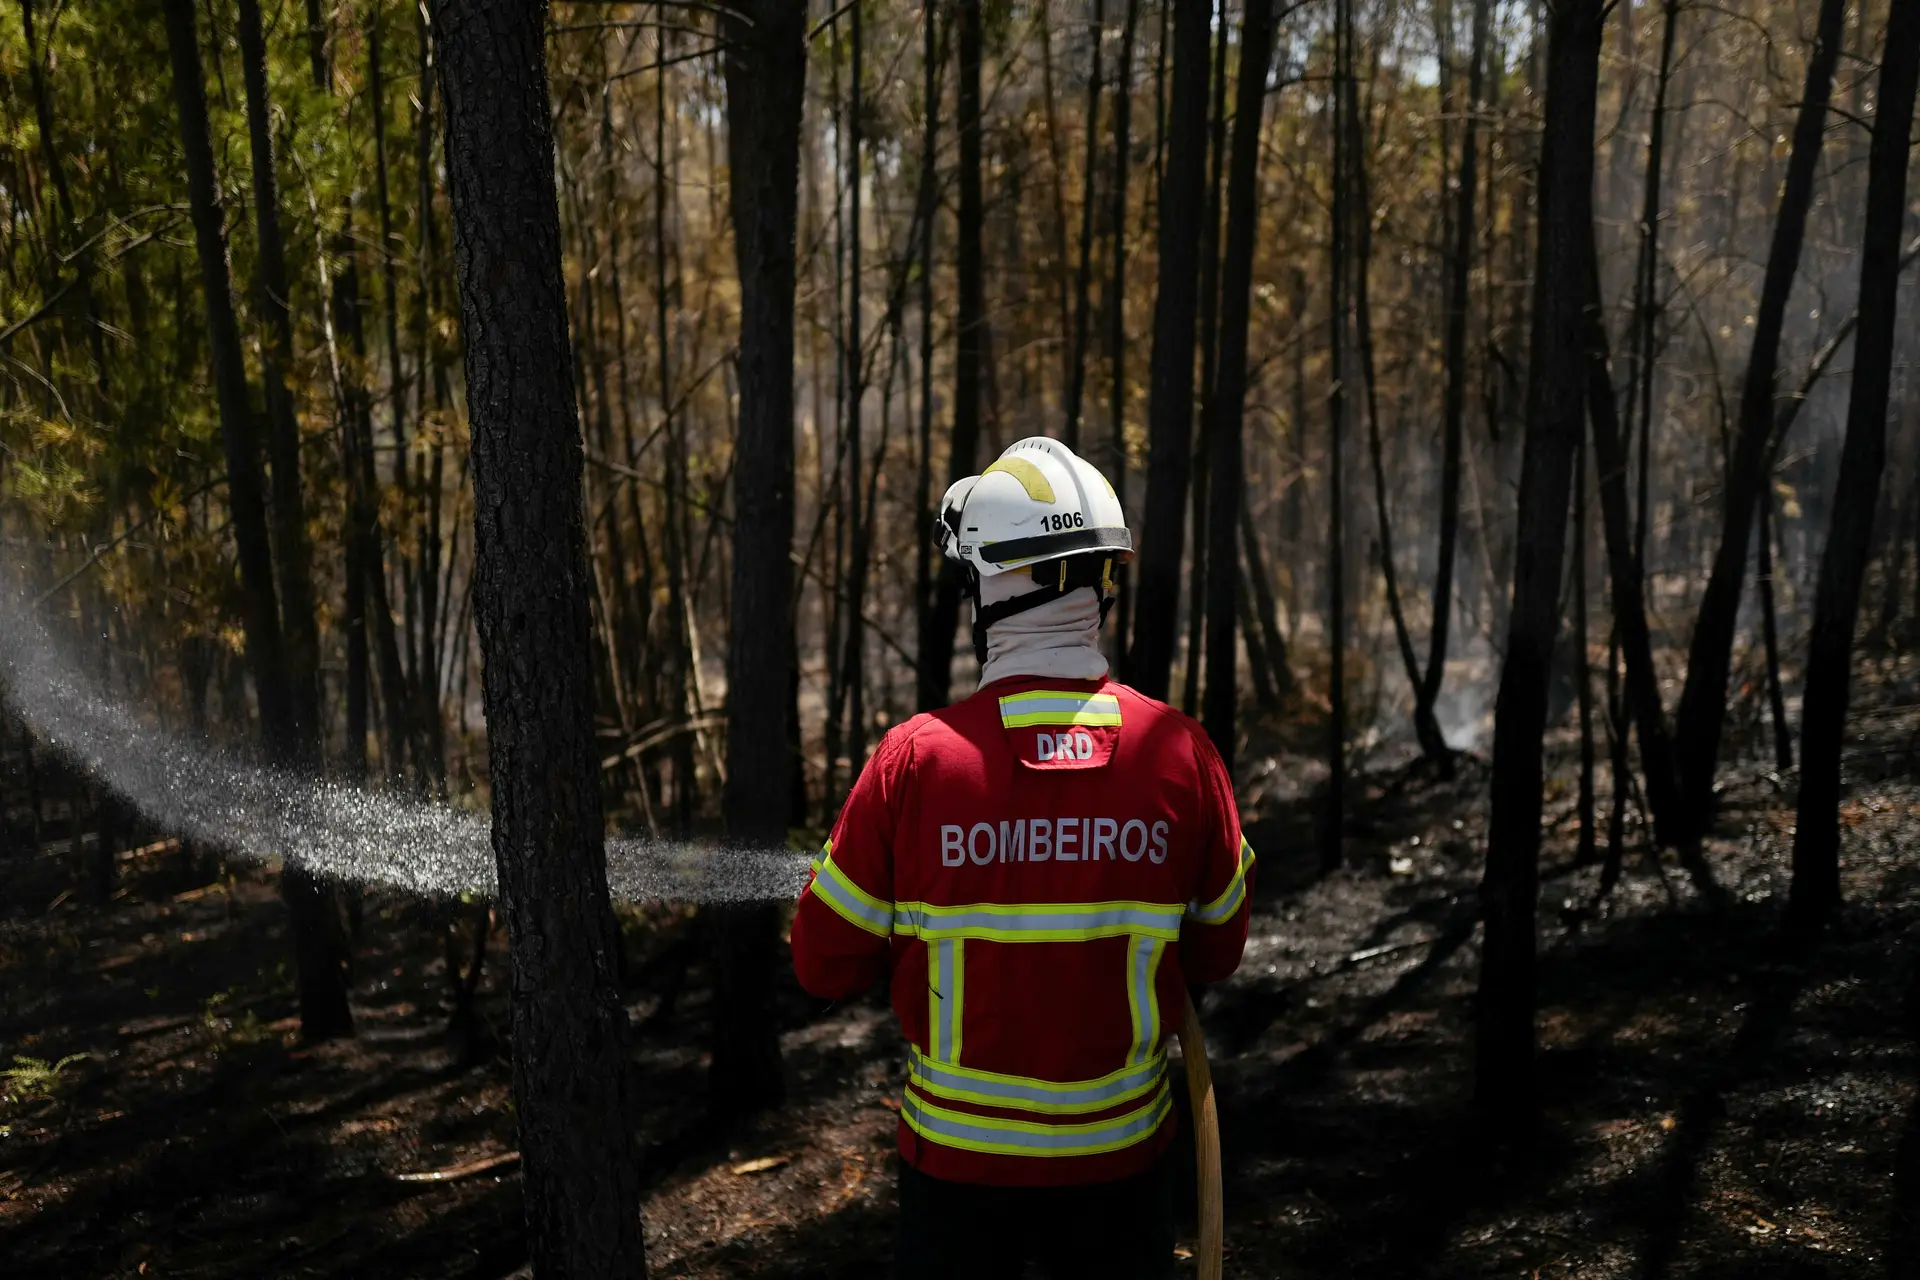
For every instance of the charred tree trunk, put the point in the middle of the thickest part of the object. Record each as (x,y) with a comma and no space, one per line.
(1504,1043)
(531,599)
(1703,702)
(318,947)
(1209,370)
(1460,270)
(1625,571)
(1116,303)
(1170,379)
(1223,510)
(1770,635)
(1083,274)
(765,73)
(1816,843)
(923,567)
(936,640)
(1332,818)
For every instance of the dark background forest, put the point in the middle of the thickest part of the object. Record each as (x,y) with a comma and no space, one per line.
(1512,403)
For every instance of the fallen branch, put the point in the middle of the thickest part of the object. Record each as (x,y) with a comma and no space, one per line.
(456,1172)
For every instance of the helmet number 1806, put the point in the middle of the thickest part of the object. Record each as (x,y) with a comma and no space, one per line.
(1065,520)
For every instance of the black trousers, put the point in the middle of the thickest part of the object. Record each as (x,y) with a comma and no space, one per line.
(1100,1231)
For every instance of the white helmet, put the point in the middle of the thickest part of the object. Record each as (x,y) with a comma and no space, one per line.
(1038,502)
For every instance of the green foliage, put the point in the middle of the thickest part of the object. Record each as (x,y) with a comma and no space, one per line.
(37,1080)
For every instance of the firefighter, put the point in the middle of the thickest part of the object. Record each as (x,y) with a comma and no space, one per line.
(1040,871)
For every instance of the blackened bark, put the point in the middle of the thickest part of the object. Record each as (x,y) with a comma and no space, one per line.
(765,72)
(1332,818)
(1083,274)
(318,952)
(292,554)
(1504,1044)
(923,567)
(1816,843)
(1170,379)
(1226,447)
(1209,368)
(1583,678)
(1703,702)
(1116,301)
(1460,268)
(936,639)
(1770,635)
(1626,574)
(531,594)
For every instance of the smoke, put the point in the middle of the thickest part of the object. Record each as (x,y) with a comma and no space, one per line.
(200,792)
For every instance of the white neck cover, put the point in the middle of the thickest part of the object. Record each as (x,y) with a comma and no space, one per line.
(1059,639)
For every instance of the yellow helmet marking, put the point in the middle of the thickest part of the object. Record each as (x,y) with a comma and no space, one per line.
(1030,477)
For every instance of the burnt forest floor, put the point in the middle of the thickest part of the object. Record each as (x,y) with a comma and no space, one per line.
(1718,1102)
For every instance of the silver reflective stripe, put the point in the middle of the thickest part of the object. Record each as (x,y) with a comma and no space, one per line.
(1222,908)
(1055,922)
(1143,1004)
(945,976)
(1027,1093)
(834,888)
(1025,1138)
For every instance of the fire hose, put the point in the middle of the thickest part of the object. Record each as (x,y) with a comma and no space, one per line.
(1206,1140)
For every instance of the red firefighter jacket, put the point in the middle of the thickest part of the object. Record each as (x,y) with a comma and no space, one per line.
(1041,869)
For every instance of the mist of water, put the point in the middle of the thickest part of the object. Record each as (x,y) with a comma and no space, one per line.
(197,791)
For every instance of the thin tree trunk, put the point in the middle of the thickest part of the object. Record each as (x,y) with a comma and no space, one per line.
(324,1012)
(1333,815)
(1223,512)
(1116,303)
(923,567)
(1816,844)
(1271,638)
(1626,573)
(1083,275)
(579,1167)
(291,553)
(1170,378)
(1460,267)
(1209,371)
(936,644)
(1770,630)
(1504,1081)
(765,67)
(1583,678)
(679,652)
(856,585)
(1703,701)
(1647,306)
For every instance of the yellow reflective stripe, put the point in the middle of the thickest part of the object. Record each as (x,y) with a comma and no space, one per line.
(852,903)
(1143,1004)
(997,1135)
(1038,922)
(1221,909)
(1058,706)
(951,1082)
(946,994)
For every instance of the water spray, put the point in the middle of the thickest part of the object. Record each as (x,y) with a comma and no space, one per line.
(254,814)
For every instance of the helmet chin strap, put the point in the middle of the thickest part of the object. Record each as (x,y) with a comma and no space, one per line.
(1073,573)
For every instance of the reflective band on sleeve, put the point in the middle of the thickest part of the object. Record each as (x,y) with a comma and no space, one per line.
(997,1135)
(1038,922)
(1221,909)
(1143,1005)
(1058,706)
(946,980)
(950,1082)
(854,904)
